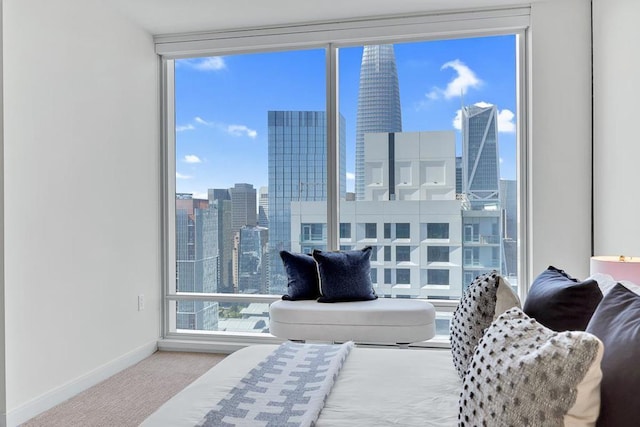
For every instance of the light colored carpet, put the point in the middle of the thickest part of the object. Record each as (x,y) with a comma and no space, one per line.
(130,396)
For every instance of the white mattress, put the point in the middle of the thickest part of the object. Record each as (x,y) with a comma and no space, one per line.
(376,387)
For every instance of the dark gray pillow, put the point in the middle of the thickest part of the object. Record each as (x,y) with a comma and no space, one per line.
(488,296)
(302,276)
(561,302)
(345,275)
(616,322)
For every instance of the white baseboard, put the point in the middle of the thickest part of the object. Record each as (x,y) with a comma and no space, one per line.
(211,346)
(58,395)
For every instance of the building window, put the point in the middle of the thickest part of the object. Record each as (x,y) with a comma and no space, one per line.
(374,275)
(374,253)
(370,231)
(438,230)
(387,230)
(437,276)
(313,232)
(438,254)
(471,257)
(345,230)
(403,253)
(403,276)
(403,230)
(387,276)
(387,253)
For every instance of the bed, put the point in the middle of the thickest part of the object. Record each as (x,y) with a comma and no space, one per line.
(503,368)
(375,387)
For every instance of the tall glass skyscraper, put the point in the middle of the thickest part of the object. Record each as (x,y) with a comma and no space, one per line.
(196,270)
(297,173)
(220,200)
(480,157)
(378,102)
(482,224)
(251,251)
(244,210)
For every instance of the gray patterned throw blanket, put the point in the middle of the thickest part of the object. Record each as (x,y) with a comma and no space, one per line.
(288,388)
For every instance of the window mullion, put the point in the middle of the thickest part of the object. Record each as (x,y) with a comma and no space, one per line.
(333,152)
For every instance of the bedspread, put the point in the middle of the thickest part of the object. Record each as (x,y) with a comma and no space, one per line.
(375,387)
(289,387)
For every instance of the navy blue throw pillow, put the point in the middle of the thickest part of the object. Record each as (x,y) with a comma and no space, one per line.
(345,275)
(561,302)
(616,322)
(302,276)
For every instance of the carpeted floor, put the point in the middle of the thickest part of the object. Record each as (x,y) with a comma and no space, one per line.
(128,397)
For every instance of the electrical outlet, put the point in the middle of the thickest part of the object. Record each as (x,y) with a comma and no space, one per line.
(140,302)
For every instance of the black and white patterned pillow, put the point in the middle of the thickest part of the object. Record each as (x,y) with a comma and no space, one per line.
(488,296)
(524,374)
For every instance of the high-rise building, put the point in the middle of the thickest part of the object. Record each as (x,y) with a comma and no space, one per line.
(220,200)
(263,207)
(297,173)
(482,235)
(243,206)
(458,175)
(480,157)
(251,260)
(196,269)
(378,102)
(508,192)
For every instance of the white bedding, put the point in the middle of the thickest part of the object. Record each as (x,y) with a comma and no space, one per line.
(376,387)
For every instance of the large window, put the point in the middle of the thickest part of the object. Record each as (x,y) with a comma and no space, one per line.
(431,157)
(286,147)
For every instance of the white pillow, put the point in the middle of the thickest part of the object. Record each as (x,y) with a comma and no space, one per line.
(488,296)
(523,373)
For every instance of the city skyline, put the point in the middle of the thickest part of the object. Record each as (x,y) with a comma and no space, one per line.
(222,103)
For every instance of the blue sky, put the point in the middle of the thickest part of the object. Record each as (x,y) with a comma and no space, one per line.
(222,102)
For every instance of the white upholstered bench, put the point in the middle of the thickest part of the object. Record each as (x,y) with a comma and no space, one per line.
(380,321)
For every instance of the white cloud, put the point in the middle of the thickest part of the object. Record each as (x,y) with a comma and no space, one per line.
(351,176)
(464,80)
(233,130)
(506,121)
(214,63)
(192,158)
(506,118)
(185,127)
(241,130)
(434,94)
(202,121)
(181,176)
(457,120)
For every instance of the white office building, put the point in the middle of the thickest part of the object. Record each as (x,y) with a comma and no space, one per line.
(410,216)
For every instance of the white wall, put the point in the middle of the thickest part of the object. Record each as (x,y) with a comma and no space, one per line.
(616,127)
(82,197)
(3,394)
(560,151)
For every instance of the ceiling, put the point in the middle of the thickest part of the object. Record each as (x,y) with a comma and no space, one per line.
(183,16)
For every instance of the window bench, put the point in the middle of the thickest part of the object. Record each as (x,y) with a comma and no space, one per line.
(379,321)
